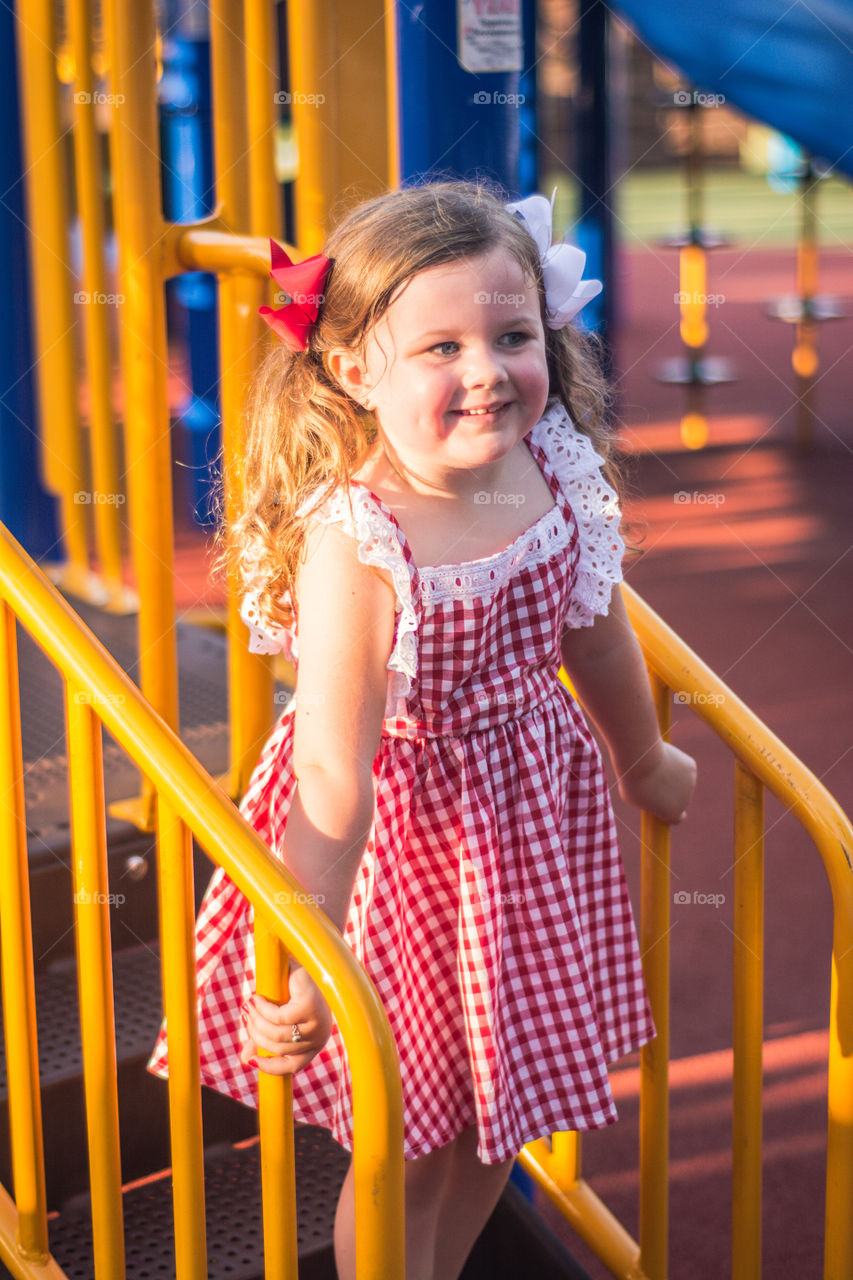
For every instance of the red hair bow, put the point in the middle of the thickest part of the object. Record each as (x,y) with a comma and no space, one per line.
(302,282)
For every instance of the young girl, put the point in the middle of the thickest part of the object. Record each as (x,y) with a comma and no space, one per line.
(429,531)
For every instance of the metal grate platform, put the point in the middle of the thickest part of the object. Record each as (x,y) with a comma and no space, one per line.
(233,1210)
(203,684)
(136,987)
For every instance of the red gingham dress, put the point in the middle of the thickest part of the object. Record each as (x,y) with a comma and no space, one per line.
(490,906)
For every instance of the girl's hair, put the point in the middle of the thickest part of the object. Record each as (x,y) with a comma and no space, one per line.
(304,431)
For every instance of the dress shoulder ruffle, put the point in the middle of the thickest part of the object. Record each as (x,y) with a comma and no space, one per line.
(578,468)
(378,546)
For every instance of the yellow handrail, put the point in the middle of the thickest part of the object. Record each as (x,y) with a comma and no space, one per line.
(770,762)
(335,50)
(189,801)
(761,760)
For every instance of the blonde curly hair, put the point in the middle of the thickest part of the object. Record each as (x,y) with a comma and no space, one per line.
(304,432)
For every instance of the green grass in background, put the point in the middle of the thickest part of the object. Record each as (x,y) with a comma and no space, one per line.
(650,205)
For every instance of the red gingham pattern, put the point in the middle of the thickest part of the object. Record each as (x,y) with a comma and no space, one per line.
(490,907)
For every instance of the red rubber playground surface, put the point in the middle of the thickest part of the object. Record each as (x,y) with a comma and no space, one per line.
(757,579)
(751,565)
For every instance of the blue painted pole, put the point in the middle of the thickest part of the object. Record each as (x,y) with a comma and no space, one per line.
(188,194)
(26,507)
(463,89)
(468,109)
(594,231)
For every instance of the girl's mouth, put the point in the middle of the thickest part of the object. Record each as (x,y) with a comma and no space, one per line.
(480,412)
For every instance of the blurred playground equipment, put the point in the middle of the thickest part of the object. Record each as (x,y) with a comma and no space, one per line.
(337,98)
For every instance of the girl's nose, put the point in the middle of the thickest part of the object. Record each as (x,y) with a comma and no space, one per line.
(484,368)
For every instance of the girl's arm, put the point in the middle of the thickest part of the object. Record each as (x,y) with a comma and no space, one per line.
(346,631)
(607,669)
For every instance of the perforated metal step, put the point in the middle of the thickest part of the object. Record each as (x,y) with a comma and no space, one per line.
(143,1099)
(203,683)
(233,1210)
(136,987)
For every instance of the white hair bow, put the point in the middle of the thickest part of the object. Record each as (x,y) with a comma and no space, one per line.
(562,264)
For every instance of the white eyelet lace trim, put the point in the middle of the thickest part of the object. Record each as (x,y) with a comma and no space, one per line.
(577,467)
(266,637)
(595,504)
(378,546)
(480,579)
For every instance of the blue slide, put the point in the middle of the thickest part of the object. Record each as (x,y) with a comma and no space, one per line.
(789,65)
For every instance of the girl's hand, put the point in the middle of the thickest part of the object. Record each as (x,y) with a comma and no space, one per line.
(664,786)
(269,1027)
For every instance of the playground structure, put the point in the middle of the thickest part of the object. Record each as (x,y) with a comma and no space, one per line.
(176,800)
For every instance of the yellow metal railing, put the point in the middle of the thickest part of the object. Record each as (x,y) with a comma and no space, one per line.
(761,761)
(335,51)
(189,804)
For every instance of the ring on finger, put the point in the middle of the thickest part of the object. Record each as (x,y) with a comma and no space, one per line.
(295,1033)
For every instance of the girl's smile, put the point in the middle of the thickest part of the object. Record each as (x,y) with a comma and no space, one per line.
(455,371)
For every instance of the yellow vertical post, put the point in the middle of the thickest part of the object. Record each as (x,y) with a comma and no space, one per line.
(342,131)
(692,265)
(18,980)
(261,43)
(48,219)
(654,1056)
(177,912)
(838,1255)
(748,924)
(140,229)
(804,357)
(107,501)
(275,1099)
(310,40)
(95,978)
(392,96)
(250,677)
(565,1163)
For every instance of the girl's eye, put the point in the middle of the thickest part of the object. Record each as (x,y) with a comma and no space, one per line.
(514,339)
(445,348)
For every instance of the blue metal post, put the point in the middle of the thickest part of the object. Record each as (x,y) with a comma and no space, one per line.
(463,69)
(26,507)
(594,232)
(188,194)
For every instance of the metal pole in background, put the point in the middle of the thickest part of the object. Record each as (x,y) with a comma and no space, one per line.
(25,505)
(460,94)
(188,194)
(594,230)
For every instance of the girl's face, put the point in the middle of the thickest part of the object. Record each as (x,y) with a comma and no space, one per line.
(455,370)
